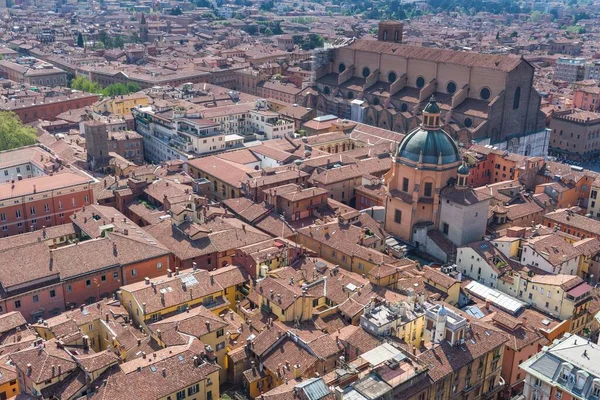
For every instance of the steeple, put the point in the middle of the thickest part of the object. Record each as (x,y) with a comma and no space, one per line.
(431,115)
(143,20)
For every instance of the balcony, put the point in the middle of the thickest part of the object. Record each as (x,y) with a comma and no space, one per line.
(491,393)
(216,303)
(470,388)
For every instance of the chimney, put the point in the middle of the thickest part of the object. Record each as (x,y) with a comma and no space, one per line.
(139,342)
(144,308)
(207,325)
(159,333)
(296,371)
(86,342)
(212,280)
(53,370)
(524,322)
(194,266)
(106,317)
(164,372)
(147,280)
(176,270)
(169,273)
(144,355)
(115,251)
(209,352)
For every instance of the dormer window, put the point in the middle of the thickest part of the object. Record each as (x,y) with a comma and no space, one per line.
(566,372)
(581,378)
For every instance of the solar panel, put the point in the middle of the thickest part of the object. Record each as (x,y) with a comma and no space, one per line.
(180,357)
(483,246)
(152,368)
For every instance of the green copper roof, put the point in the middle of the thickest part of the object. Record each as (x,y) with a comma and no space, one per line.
(431,107)
(429,143)
(463,170)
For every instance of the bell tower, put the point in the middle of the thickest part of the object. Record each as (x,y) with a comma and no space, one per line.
(390,31)
(143,29)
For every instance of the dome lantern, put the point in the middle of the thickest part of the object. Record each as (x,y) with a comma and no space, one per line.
(431,115)
(463,175)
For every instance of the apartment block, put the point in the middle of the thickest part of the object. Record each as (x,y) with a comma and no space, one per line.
(31,204)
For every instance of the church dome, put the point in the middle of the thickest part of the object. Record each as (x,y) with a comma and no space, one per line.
(463,169)
(429,144)
(431,107)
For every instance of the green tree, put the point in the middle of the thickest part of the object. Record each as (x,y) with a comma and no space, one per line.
(134,37)
(275,27)
(79,40)
(267,5)
(116,89)
(13,134)
(118,42)
(133,87)
(312,41)
(536,16)
(84,84)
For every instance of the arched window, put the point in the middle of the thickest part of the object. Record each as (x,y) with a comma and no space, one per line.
(468,122)
(403,107)
(385,35)
(396,36)
(420,82)
(376,101)
(366,72)
(341,67)
(350,94)
(326,90)
(517,98)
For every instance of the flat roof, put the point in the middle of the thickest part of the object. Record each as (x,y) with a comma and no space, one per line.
(381,354)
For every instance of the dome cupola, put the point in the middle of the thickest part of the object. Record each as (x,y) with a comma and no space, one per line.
(463,176)
(428,144)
